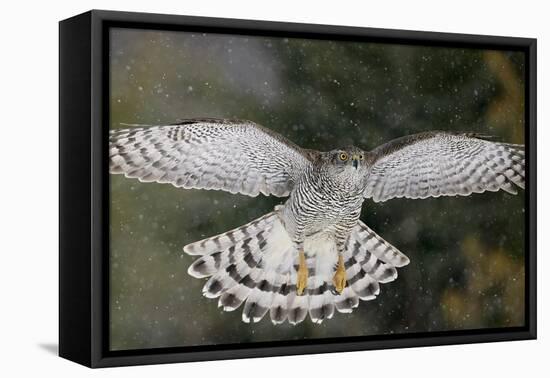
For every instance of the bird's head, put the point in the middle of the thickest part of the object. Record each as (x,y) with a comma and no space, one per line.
(348,164)
(348,158)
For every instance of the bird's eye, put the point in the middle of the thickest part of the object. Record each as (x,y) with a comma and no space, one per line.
(361,157)
(343,156)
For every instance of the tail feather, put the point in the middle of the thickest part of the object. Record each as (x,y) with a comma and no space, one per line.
(229,238)
(217,284)
(346,301)
(256,265)
(241,269)
(321,306)
(207,265)
(279,309)
(232,298)
(245,250)
(297,307)
(362,284)
(260,298)
(378,246)
(322,260)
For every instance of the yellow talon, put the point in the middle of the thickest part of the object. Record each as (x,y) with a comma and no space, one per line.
(301,282)
(339,278)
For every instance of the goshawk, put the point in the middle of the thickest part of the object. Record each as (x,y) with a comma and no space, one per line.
(312,254)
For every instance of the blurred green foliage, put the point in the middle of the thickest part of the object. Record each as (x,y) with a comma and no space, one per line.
(467,253)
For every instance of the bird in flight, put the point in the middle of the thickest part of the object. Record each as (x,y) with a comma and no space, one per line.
(312,254)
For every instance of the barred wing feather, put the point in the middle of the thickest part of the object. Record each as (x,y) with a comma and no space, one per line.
(234,156)
(437,164)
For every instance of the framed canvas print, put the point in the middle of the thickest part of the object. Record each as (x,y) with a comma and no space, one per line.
(234,188)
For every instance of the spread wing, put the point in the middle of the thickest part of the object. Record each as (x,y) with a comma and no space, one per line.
(440,163)
(235,156)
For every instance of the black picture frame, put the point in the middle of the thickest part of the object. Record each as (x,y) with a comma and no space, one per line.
(84,192)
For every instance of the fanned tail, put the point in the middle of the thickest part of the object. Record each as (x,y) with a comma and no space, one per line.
(256,265)
(369,261)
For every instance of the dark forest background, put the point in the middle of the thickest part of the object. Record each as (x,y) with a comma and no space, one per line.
(467,253)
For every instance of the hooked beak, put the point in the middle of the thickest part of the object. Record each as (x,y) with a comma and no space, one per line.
(355,161)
